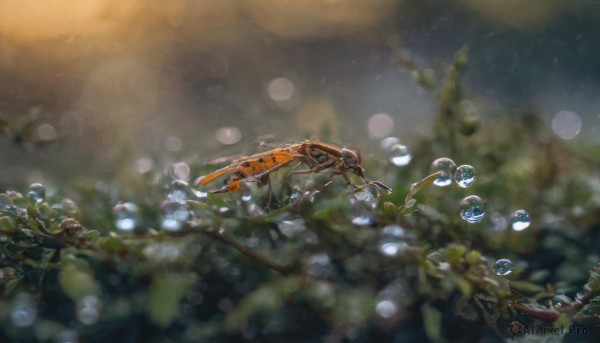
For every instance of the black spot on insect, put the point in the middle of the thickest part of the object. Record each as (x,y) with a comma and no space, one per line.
(274,159)
(245,164)
(322,159)
(261,160)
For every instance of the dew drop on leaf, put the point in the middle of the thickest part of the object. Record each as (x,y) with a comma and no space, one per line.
(173,215)
(447,167)
(465,176)
(126,216)
(37,192)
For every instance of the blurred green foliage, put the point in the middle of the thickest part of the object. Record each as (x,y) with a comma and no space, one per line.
(308,265)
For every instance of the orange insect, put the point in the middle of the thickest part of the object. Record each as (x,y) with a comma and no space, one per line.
(315,155)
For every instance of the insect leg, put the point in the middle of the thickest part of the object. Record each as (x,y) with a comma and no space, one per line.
(233,185)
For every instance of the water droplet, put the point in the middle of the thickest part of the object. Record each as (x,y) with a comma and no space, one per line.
(310,196)
(399,155)
(228,135)
(387,143)
(67,336)
(173,144)
(246,197)
(291,228)
(173,215)
(178,192)
(144,165)
(37,192)
(447,167)
(362,220)
(465,176)
(163,252)
(23,310)
(179,171)
(498,222)
(319,265)
(472,209)
(366,198)
(126,216)
(5,202)
(520,220)
(391,240)
(503,266)
(46,132)
(380,125)
(280,89)
(386,308)
(566,124)
(253,210)
(88,310)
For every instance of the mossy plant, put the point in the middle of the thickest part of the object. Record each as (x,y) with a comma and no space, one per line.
(319,261)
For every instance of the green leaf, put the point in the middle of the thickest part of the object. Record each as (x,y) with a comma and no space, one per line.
(77,279)
(409,206)
(7,226)
(432,321)
(594,280)
(166,292)
(217,200)
(199,205)
(454,254)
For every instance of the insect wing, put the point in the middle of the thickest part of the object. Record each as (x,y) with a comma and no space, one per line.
(261,164)
(216,174)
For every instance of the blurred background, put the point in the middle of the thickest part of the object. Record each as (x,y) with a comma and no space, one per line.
(85,85)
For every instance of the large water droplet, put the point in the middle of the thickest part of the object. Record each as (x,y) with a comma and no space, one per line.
(229,135)
(178,191)
(23,311)
(126,216)
(465,176)
(386,308)
(5,202)
(88,310)
(391,240)
(380,125)
(520,220)
(366,198)
(292,227)
(37,192)
(498,222)
(566,124)
(173,215)
(280,89)
(503,266)
(144,165)
(399,155)
(387,143)
(319,265)
(179,171)
(472,209)
(447,167)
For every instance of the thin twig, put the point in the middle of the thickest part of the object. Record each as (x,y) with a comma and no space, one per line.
(283,269)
